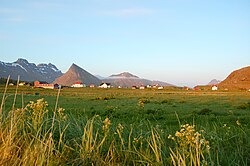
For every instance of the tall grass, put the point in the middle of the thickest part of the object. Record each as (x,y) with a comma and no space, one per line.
(36,135)
(27,135)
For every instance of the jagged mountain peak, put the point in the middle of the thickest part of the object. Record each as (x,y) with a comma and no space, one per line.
(29,71)
(22,61)
(125,75)
(52,65)
(74,66)
(76,69)
(76,73)
(48,66)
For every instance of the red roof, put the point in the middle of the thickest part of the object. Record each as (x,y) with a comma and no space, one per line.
(78,82)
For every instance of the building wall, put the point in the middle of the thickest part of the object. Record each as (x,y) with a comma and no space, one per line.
(46,86)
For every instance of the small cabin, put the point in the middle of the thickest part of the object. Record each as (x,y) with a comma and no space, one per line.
(149,86)
(160,87)
(214,87)
(134,87)
(105,85)
(142,87)
(77,85)
(21,83)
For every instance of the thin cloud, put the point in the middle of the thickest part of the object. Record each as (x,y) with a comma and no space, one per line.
(129,12)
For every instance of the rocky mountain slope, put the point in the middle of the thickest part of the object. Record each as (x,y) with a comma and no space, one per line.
(75,74)
(29,71)
(238,79)
(126,79)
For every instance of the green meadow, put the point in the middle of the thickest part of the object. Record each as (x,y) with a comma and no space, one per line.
(91,126)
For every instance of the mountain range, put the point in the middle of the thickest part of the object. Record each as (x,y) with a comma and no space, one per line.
(238,79)
(50,73)
(29,71)
(125,79)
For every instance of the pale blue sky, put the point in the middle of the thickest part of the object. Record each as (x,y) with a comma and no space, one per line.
(183,42)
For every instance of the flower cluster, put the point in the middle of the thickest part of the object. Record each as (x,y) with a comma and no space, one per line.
(106,124)
(39,106)
(61,114)
(188,137)
(141,103)
(37,111)
(120,127)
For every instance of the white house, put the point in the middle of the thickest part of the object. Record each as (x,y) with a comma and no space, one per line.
(214,87)
(134,87)
(21,84)
(142,87)
(105,85)
(160,87)
(77,85)
(149,86)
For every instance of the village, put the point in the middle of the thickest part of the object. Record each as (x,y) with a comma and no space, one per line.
(79,84)
(104,85)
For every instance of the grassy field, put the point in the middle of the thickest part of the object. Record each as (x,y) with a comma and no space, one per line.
(128,127)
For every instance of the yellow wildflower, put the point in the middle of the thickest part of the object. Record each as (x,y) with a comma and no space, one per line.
(106,123)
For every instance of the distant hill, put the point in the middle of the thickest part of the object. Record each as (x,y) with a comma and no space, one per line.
(127,79)
(214,82)
(124,75)
(238,79)
(29,71)
(75,74)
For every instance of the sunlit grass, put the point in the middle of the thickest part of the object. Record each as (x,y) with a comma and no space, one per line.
(39,133)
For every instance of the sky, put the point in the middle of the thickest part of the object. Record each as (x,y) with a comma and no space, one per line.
(182,42)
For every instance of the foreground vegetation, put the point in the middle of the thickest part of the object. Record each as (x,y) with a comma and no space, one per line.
(124,127)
